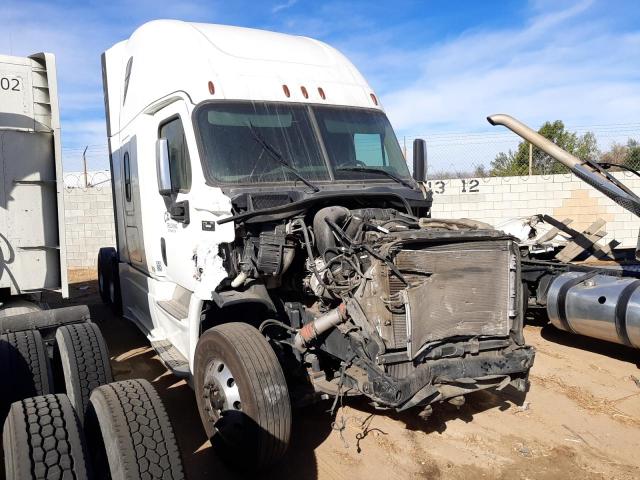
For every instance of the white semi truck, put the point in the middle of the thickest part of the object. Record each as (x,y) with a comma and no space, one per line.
(55,375)
(272,244)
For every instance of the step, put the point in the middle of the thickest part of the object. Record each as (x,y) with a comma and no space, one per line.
(172,358)
(178,305)
(174,308)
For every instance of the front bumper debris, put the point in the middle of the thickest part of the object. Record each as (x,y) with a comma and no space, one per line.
(437,380)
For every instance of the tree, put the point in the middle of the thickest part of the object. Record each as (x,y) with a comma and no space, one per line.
(633,154)
(517,163)
(619,154)
(616,155)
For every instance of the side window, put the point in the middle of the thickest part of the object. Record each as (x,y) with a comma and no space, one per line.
(127,77)
(179,162)
(127,177)
(368,147)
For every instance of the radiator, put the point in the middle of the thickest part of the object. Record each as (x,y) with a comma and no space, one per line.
(464,289)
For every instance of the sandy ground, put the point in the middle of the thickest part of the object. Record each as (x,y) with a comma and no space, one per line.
(581,419)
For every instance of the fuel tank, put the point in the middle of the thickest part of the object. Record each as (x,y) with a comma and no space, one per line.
(595,305)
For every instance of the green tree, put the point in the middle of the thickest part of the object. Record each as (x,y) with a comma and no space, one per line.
(517,163)
(633,154)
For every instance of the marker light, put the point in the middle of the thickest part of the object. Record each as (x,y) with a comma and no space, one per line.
(305,94)
(321,92)
(375,100)
(212,88)
(286,91)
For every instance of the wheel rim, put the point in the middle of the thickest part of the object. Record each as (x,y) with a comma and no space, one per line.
(222,403)
(101,282)
(112,292)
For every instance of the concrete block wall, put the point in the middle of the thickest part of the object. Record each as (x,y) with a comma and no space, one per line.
(497,199)
(89,224)
(89,211)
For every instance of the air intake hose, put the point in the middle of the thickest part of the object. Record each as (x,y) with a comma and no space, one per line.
(322,231)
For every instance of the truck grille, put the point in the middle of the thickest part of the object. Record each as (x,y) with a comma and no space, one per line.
(457,290)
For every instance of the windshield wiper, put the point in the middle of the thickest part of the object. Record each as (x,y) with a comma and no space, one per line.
(273,153)
(377,170)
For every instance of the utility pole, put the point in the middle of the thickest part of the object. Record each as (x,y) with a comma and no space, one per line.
(530,159)
(84,166)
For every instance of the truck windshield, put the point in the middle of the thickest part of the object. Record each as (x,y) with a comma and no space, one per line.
(232,155)
(352,137)
(356,137)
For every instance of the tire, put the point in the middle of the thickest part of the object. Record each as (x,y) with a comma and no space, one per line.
(25,370)
(42,439)
(130,435)
(115,296)
(250,423)
(105,256)
(85,362)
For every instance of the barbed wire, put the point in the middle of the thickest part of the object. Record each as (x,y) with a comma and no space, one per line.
(96,180)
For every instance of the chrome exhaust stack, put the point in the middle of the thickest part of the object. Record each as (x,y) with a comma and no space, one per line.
(587,170)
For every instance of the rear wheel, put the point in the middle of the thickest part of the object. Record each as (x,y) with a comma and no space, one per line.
(25,370)
(85,362)
(242,395)
(115,296)
(105,258)
(42,439)
(130,435)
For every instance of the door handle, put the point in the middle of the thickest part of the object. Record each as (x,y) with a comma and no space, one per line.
(179,212)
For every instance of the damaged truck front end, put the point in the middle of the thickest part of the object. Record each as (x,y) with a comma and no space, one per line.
(407,311)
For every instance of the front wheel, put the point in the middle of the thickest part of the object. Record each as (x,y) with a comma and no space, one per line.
(242,395)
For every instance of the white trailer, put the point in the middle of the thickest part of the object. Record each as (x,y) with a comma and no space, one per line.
(272,244)
(54,364)
(32,229)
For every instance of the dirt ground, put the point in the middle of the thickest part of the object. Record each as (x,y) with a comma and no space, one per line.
(581,419)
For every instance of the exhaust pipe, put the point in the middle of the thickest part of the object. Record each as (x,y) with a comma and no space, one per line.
(588,171)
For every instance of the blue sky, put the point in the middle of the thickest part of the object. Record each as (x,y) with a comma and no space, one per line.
(438,66)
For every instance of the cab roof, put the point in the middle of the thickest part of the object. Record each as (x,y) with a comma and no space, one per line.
(214,62)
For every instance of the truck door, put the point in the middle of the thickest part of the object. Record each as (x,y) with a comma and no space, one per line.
(179,237)
(131,195)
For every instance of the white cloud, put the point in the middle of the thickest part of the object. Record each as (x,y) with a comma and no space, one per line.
(555,67)
(283,6)
(566,64)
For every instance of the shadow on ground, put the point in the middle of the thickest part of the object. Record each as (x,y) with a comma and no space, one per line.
(538,318)
(132,357)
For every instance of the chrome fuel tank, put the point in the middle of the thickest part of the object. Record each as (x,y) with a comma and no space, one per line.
(597,306)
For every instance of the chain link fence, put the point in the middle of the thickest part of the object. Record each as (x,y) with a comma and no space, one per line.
(491,154)
(496,152)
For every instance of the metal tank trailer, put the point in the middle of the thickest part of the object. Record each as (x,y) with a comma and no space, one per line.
(600,301)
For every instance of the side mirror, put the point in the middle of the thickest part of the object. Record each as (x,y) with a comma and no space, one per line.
(162,167)
(419,160)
